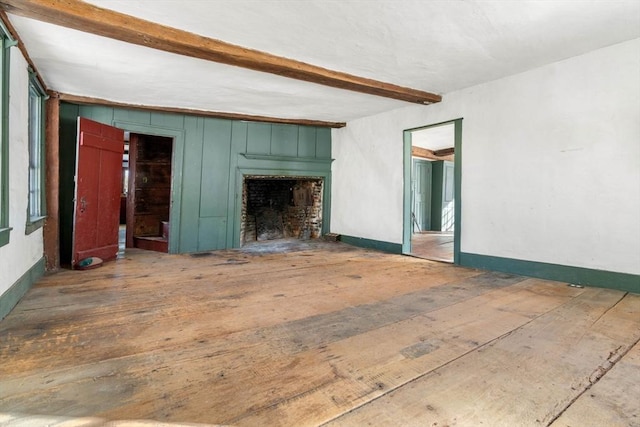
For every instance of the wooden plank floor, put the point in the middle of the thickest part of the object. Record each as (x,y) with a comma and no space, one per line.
(323,335)
(435,246)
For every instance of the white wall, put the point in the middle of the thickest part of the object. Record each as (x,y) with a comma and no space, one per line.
(550,164)
(23,251)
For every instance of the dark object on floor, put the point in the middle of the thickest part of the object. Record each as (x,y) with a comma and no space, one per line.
(331,237)
(89,263)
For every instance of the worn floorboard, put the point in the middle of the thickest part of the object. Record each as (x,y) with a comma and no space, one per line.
(613,400)
(433,245)
(329,334)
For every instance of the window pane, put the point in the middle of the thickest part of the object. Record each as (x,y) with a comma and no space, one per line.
(35,153)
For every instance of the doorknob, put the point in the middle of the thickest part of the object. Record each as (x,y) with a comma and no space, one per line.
(83,204)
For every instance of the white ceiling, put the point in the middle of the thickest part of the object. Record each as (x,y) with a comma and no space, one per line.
(432,45)
(434,138)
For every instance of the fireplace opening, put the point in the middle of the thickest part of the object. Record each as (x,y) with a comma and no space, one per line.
(280,208)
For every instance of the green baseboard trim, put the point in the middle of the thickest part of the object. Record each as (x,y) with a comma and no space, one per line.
(393,248)
(562,273)
(10,298)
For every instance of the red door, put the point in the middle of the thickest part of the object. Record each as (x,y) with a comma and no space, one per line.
(98,189)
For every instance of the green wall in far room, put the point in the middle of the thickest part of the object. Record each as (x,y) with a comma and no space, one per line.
(209,160)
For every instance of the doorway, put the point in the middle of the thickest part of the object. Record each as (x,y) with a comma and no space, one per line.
(148,173)
(432,192)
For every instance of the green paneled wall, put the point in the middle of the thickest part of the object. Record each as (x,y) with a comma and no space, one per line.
(442,192)
(210,157)
(437,184)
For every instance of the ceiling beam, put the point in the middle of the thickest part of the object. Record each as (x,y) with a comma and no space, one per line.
(444,152)
(430,154)
(85,100)
(108,23)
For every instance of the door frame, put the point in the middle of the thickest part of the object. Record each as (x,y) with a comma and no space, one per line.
(134,142)
(407,179)
(177,156)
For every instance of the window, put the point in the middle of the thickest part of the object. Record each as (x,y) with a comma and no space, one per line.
(5,45)
(36,210)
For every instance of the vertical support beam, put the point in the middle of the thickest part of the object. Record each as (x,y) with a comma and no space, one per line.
(52,184)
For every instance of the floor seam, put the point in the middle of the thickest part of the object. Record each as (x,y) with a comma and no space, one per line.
(412,380)
(600,370)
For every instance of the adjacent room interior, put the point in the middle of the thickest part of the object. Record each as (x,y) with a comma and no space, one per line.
(432,192)
(241,213)
(149,192)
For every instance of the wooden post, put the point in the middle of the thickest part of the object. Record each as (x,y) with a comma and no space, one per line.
(52,184)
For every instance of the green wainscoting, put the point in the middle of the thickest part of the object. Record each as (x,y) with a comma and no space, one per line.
(209,160)
(10,298)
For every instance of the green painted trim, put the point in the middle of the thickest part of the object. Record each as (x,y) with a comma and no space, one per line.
(562,273)
(33,78)
(393,248)
(178,136)
(4,140)
(406,227)
(34,224)
(36,90)
(6,34)
(4,235)
(10,298)
(457,196)
(406,193)
(285,158)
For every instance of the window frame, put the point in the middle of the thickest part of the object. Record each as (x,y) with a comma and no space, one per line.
(35,220)
(6,42)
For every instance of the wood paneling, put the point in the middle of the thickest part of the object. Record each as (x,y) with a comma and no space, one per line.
(190,184)
(208,150)
(258,138)
(323,143)
(215,169)
(284,141)
(324,333)
(306,142)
